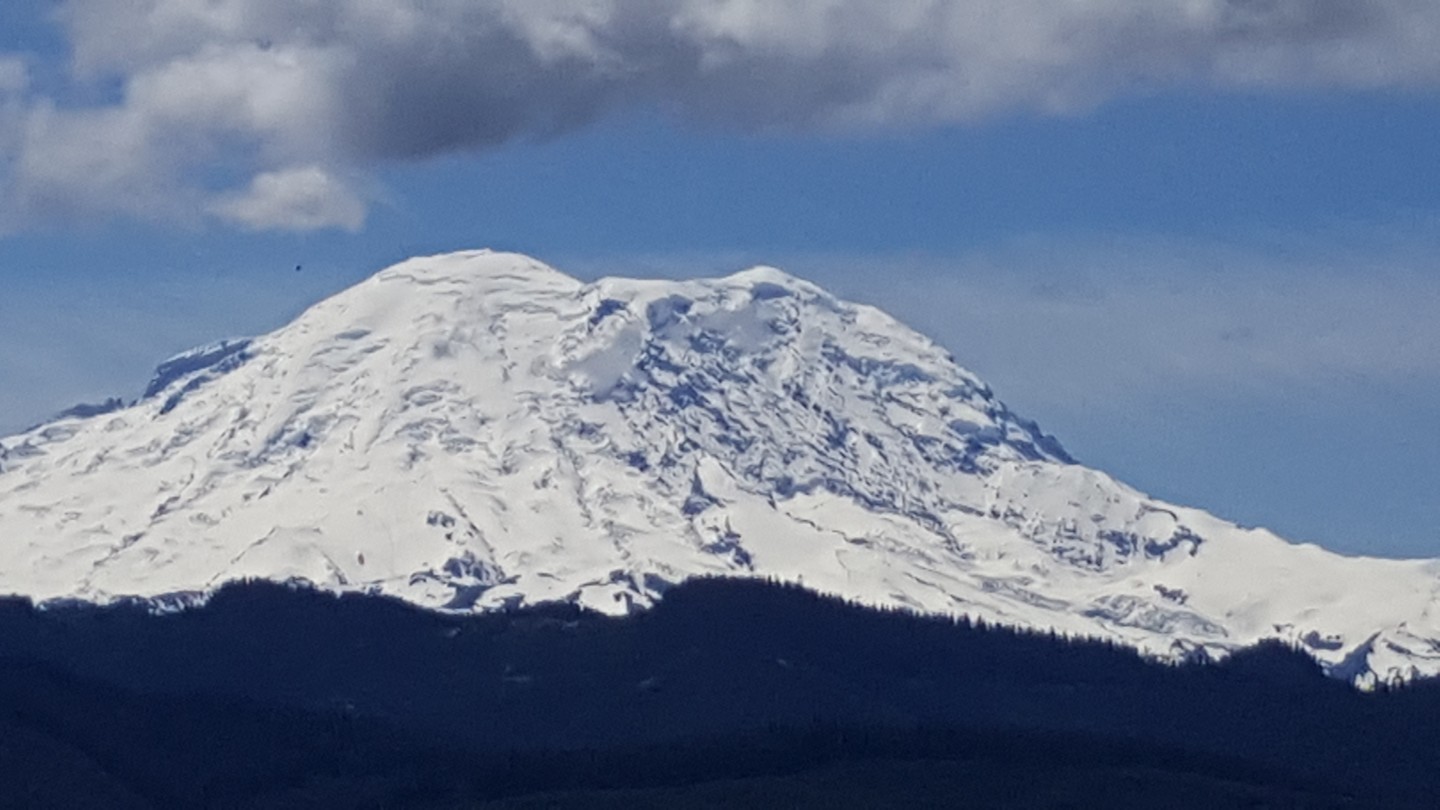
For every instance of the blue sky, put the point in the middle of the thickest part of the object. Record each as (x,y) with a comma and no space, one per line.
(1199,241)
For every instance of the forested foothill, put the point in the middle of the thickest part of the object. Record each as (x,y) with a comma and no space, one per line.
(729,692)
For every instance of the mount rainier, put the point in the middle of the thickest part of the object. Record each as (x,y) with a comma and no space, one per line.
(477,430)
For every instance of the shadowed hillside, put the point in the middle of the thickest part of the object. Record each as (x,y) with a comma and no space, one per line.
(725,689)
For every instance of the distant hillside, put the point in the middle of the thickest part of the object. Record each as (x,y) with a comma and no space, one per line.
(726,688)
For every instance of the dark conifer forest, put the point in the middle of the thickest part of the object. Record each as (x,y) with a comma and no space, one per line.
(729,693)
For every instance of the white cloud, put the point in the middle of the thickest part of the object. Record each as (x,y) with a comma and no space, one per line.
(303,199)
(256,86)
(85,164)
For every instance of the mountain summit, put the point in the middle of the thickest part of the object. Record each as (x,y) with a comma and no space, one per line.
(477,430)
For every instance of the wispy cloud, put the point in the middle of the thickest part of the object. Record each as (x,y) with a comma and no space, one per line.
(1086,325)
(224,106)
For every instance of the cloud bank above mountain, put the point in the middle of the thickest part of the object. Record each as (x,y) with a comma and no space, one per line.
(271,114)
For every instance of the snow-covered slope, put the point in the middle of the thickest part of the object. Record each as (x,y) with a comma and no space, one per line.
(475,430)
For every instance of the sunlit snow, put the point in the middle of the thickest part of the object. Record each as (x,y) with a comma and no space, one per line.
(477,430)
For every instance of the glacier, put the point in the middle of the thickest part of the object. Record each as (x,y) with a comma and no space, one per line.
(477,430)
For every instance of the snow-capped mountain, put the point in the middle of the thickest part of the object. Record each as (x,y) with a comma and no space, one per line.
(476,430)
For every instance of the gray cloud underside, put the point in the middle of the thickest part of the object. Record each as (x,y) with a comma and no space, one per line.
(235,109)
